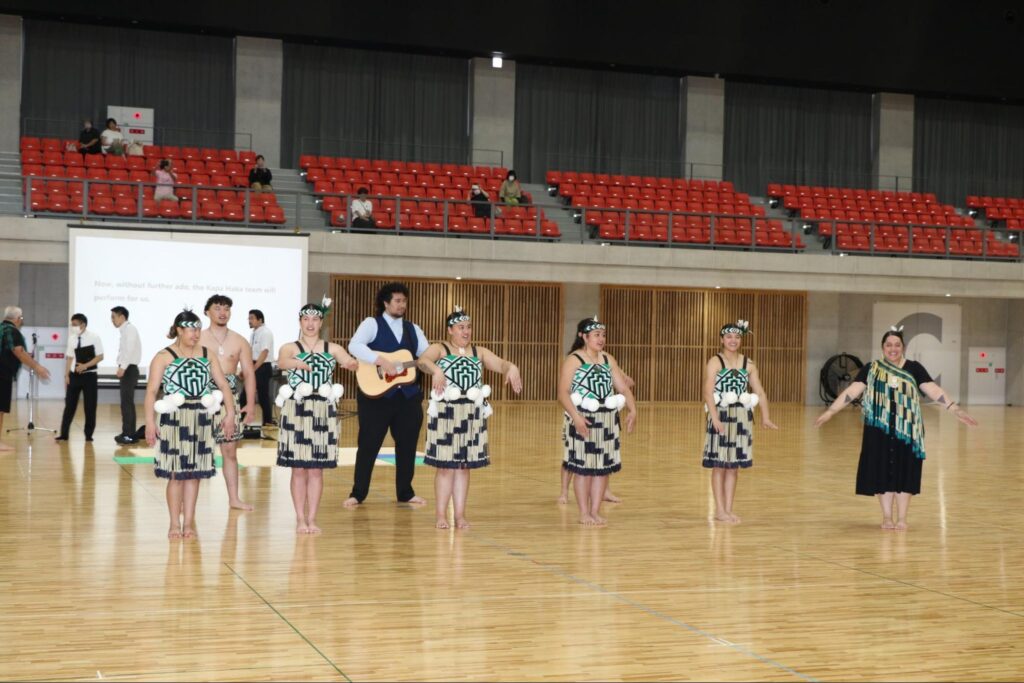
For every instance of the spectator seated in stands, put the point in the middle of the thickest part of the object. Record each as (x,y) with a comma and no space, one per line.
(510,192)
(362,211)
(89,139)
(260,176)
(111,139)
(481,202)
(165,180)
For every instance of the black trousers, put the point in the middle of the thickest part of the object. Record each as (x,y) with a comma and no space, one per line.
(263,375)
(80,384)
(126,384)
(403,417)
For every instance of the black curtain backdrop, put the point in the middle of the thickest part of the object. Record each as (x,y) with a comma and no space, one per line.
(597,121)
(74,71)
(796,135)
(963,148)
(384,105)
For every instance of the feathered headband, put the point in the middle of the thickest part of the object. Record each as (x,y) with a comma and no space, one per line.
(457,316)
(593,325)
(896,330)
(319,311)
(740,327)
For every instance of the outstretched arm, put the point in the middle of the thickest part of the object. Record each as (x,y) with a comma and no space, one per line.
(939,395)
(851,394)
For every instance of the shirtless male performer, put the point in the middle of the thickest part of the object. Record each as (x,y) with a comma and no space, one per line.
(230,349)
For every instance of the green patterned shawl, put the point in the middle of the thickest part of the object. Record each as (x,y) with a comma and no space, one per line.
(888,384)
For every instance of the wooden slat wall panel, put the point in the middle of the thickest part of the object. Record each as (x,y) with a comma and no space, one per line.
(521,322)
(663,337)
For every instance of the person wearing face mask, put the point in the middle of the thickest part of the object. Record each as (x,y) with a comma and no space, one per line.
(892,447)
(510,192)
(84,353)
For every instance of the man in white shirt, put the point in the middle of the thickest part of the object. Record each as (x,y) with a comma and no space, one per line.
(129,355)
(399,411)
(262,343)
(84,353)
(362,211)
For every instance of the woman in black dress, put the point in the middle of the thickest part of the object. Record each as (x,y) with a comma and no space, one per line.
(892,448)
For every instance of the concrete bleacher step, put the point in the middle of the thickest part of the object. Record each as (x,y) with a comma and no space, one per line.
(11,199)
(298,202)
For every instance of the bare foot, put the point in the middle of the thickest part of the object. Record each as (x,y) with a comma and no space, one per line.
(314,529)
(601,521)
(888,525)
(563,499)
(416,500)
(723,517)
(301,527)
(610,497)
(442,523)
(174,532)
(735,519)
(5,447)
(350,503)
(588,520)
(462,523)
(901,525)
(240,505)
(190,532)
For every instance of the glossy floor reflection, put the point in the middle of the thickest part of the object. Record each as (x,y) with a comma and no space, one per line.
(807,588)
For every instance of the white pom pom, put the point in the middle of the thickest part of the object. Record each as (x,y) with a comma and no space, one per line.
(487,411)
(718,399)
(610,402)
(576,399)
(754,400)
(285,392)
(745,399)
(279,401)
(162,406)
(620,401)
(485,391)
(207,400)
(436,395)
(176,400)
(729,397)
(337,391)
(303,390)
(324,390)
(452,393)
(590,404)
(218,395)
(475,394)
(432,409)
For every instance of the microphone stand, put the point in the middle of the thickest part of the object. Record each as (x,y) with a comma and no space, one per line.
(33,382)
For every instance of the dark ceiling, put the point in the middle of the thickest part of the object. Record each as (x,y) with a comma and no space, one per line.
(962,48)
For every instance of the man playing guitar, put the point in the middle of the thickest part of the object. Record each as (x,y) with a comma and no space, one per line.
(399,409)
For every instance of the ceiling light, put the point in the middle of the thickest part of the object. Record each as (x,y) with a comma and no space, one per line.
(496,61)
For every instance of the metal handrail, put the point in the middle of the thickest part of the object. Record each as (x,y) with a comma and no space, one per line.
(450,208)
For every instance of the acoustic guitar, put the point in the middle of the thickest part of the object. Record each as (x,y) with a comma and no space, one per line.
(375,382)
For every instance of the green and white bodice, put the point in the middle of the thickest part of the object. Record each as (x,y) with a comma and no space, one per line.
(322,364)
(592,380)
(190,377)
(465,372)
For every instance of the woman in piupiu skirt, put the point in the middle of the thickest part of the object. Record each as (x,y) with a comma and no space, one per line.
(892,446)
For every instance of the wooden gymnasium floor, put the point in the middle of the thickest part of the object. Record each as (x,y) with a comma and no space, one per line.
(807,588)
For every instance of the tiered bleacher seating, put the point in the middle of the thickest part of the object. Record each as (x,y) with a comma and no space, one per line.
(419,196)
(207,178)
(889,222)
(995,209)
(644,208)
